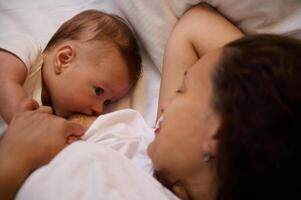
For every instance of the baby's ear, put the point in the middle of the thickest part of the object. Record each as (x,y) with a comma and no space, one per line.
(65,55)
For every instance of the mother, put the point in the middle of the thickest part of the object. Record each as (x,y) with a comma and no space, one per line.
(232,131)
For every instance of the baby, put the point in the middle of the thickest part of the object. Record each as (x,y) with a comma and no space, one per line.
(93,59)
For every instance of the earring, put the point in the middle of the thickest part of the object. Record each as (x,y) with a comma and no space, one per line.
(207,157)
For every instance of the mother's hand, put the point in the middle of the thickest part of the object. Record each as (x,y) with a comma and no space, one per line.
(33,138)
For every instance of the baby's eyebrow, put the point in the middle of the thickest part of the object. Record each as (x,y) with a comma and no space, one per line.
(107,87)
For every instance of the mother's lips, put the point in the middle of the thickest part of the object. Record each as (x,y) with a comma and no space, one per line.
(158,125)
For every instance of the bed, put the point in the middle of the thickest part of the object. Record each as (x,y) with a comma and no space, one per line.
(152,22)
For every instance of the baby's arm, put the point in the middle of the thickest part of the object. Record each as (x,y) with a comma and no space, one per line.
(12,95)
(200,30)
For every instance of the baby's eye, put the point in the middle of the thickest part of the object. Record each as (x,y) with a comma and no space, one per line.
(107,102)
(98,91)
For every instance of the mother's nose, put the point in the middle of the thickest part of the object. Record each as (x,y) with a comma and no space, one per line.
(165,104)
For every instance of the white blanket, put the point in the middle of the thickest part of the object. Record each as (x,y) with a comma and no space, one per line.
(110,164)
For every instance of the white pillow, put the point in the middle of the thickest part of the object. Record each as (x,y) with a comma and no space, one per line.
(254,16)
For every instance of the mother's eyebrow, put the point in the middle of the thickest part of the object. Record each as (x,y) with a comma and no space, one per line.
(185,76)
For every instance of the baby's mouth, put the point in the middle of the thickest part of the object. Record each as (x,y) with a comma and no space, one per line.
(158,125)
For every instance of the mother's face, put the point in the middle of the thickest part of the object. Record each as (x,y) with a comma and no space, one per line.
(189,124)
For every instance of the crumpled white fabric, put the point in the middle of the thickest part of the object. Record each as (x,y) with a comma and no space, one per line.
(110,163)
(126,132)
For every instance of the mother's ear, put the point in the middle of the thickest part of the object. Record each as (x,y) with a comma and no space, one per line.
(210,141)
(64,56)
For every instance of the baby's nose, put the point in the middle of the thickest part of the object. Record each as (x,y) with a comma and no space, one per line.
(97,109)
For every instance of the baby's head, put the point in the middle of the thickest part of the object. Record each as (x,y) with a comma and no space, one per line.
(93,59)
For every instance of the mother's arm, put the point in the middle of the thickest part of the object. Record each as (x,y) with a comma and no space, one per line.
(200,30)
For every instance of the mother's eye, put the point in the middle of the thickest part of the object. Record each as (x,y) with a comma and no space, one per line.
(182,88)
(98,91)
(179,91)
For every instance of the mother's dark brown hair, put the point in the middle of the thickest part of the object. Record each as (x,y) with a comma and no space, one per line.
(257,91)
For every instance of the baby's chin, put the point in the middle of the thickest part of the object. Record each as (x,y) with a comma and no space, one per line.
(83,120)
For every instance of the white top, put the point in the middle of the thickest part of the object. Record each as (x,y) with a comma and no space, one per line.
(111,164)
